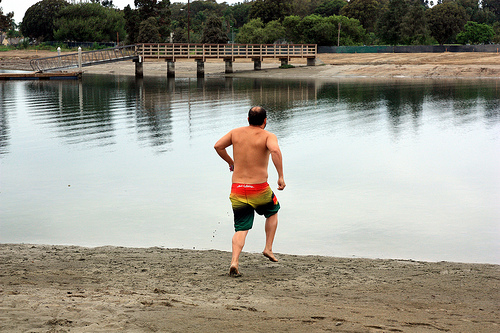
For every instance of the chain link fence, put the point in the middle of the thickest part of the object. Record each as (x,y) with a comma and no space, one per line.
(409,49)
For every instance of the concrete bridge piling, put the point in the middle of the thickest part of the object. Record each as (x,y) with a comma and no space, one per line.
(139,67)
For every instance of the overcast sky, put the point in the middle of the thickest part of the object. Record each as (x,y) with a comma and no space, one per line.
(19,7)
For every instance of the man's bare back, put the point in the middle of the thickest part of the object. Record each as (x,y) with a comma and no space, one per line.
(251,154)
(252,146)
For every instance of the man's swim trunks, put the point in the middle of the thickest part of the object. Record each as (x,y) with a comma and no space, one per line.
(247,198)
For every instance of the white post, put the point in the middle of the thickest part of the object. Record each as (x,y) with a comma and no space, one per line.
(80,57)
(59,55)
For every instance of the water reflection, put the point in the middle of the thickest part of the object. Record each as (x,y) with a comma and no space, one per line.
(6,96)
(86,111)
(375,168)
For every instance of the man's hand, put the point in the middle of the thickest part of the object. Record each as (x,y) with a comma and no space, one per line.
(281,184)
(231,167)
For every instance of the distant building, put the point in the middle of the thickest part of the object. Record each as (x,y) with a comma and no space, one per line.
(4,40)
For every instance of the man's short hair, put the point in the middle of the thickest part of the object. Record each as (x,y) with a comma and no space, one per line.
(256,116)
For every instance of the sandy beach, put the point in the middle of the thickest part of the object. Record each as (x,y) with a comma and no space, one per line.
(54,288)
(46,288)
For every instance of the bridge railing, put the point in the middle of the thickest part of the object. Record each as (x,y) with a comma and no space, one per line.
(86,58)
(173,51)
(226,51)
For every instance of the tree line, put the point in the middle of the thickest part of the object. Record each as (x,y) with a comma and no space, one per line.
(322,22)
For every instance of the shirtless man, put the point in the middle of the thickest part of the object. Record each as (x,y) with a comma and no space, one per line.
(250,191)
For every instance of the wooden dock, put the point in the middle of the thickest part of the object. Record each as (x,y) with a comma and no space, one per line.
(41,76)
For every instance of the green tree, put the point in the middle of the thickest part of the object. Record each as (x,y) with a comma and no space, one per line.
(256,32)
(475,33)
(403,22)
(485,15)
(388,27)
(366,12)
(493,6)
(86,22)
(107,3)
(273,32)
(149,31)
(132,22)
(104,3)
(307,28)
(304,8)
(315,29)
(496,29)
(213,33)
(445,21)
(13,32)
(240,13)
(294,33)
(6,21)
(161,11)
(149,8)
(38,21)
(200,11)
(471,7)
(251,33)
(158,9)
(330,7)
(207,7)
(414,29)
(327,31)
(270,10)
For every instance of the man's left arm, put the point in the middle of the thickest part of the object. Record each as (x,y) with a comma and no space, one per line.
(272,145)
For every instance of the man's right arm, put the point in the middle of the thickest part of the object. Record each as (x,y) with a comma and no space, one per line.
(220,147)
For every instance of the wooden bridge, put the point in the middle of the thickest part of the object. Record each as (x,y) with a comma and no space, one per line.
(140,53)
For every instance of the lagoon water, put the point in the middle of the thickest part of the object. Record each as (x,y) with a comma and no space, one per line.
(378,169)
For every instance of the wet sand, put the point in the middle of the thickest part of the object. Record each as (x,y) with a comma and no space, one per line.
(46,288)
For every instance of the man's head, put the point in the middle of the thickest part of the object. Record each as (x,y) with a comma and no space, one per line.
(257,116)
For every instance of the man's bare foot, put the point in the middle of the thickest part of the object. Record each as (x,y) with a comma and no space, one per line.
(234,272)
(270,255)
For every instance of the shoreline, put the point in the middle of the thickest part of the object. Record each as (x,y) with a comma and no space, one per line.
(51,288)
(330,66)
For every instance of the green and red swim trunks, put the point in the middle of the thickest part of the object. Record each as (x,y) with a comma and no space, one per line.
(249,198)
